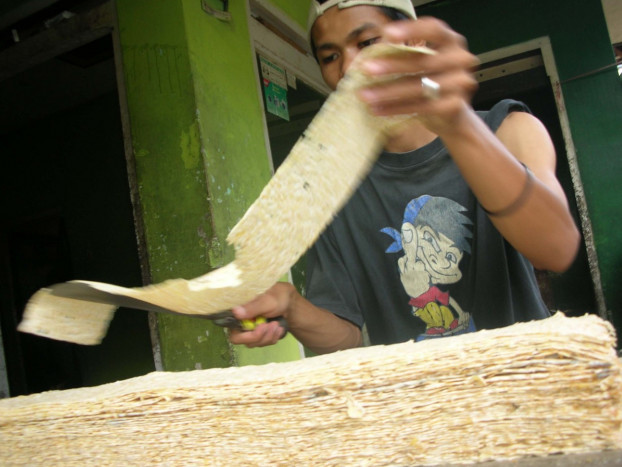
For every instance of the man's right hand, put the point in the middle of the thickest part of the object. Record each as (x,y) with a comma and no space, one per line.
(271,304)
(316,328)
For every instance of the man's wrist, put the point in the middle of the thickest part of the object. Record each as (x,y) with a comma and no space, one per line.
(462,124)
(289,313)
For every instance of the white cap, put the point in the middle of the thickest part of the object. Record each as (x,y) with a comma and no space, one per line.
(316,9)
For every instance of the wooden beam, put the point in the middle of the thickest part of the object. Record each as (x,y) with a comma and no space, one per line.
(63,37)
(21,10)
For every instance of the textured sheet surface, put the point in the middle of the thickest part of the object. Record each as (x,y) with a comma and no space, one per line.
(539,388)
(320,174)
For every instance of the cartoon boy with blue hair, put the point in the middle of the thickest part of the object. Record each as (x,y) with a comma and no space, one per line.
(434,237)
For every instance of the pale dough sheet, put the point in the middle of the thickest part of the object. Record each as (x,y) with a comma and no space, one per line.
(320,174)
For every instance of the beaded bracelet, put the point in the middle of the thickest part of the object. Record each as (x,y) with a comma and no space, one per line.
(518,203)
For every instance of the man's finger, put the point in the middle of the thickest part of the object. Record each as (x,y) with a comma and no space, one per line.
(262,305)
(431,30)
(262,335)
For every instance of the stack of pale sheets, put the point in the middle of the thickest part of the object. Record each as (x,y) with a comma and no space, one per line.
(538,388)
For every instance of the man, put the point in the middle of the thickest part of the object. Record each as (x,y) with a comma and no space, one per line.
(441,237)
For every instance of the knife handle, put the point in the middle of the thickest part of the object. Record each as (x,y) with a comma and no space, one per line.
(249,324)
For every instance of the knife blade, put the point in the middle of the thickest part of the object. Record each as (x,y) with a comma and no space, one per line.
(83,291)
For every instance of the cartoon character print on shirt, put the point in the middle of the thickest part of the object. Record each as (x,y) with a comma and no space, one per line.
(434,238)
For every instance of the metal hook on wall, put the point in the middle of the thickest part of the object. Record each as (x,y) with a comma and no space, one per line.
(223,15)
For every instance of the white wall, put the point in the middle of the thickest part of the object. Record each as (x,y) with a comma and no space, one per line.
(613,14)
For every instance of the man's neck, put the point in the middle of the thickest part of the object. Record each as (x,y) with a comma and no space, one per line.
(409,136)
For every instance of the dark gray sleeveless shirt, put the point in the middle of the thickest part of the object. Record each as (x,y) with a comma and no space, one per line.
(413,256)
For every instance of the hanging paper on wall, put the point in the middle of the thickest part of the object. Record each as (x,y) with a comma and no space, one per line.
(275,88)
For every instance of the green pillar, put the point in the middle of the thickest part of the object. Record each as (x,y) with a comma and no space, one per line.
(197,135)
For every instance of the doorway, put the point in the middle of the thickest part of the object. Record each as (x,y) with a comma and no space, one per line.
(524,73)
(66,213)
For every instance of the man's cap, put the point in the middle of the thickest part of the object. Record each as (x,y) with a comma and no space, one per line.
(316,9)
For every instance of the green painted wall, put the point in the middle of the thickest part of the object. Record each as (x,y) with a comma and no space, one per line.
(197,134)
(230,119)
(581,44)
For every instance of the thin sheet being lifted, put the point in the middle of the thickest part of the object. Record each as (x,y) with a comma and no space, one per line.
(320,174)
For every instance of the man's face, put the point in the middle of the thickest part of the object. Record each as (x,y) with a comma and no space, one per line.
(339,35)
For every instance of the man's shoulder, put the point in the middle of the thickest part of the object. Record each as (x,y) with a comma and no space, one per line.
(498,112)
